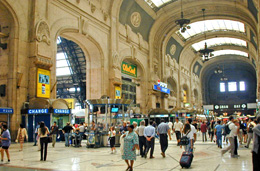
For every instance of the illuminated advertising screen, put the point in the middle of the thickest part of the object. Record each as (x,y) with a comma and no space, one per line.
(43,83)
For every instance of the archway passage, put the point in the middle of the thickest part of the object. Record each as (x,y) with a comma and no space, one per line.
(70,71)
(235,85)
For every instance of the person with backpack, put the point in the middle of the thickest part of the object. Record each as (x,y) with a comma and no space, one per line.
(188,133)
(251,124)
(256,146)
(230,130)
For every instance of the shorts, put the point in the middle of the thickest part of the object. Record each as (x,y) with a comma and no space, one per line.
(5,147)
(178,135)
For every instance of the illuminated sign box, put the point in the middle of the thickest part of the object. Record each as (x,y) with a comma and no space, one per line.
(43,83)
(61,111)
(161,89)
(129,69)
(38,111)
(6,111)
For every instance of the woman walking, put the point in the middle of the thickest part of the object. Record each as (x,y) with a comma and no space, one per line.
(22,133)
(130,146)
(112,139)
(43,132)
(187,132)
(6,142)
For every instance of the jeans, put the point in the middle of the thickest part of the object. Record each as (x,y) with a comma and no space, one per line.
(188,147)
(35,139)
(67,139)
(44,141)
(219,139)
(204,136)
(163,142)
(236,145)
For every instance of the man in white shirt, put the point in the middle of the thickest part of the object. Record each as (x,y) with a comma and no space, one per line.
(230,137)
(194,133)
(177,128)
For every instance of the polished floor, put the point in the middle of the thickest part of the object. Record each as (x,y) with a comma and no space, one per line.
(206,158)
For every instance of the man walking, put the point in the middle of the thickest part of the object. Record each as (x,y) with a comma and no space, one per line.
(66,131)
(218,132)
(149,134)
(163,129)
(36,133)
(230,137)
(250,127)
(142,140)
(193,133)
(54,132)
(203,128)
(177,128)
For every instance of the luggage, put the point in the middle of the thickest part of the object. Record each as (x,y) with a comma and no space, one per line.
(186,159)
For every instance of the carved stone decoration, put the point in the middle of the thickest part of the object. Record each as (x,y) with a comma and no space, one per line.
(136,19)
(116,61)
(141,40)
(105,16)
(173,49)
(84,26)
(128,33)
(43,32)
(43,62)
(93,8)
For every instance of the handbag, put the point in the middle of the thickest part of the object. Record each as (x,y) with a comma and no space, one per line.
(49,139)
(184,140)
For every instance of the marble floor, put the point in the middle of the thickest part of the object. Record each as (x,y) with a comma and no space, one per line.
(206,158)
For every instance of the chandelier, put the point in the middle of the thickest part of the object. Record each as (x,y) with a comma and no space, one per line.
(183,23)
(218,70)
(223,78)
(206,52)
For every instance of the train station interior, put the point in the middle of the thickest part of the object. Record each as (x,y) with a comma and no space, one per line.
(100,63)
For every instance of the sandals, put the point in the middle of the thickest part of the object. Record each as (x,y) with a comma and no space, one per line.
(129,168)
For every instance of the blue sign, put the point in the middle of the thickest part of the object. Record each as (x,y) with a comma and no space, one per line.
(161,89)
(61,111)
(38,111)
(6,110)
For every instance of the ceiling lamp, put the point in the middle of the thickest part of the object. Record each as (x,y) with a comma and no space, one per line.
(183,23)
(206,53)
(223,78)
(218,70)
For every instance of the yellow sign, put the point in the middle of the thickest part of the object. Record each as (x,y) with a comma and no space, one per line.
(43,83)
(118,92)
(71,103)
(184,96)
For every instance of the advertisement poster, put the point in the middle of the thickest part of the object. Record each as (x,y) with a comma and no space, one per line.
(117,92)
(129,69)
(43,83)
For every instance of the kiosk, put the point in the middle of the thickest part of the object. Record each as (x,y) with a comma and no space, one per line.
(106,113)
(5,115)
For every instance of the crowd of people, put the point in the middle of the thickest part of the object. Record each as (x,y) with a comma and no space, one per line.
(140,140)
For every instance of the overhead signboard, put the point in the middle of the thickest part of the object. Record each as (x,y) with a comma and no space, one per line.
(61,111)
(38,111)
(162,87)
(129,69)
(234,106)
(6,110)
(43,83)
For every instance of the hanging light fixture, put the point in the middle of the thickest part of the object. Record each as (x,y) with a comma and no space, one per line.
(218,70)
(183,23)
(223,78)
(206,53)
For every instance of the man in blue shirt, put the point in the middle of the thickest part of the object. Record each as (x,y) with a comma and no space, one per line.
(218,132)
(149,133)
(163,129)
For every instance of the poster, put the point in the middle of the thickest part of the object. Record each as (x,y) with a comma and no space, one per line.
(129,69)
(117,92)
(43,83)
(71,103)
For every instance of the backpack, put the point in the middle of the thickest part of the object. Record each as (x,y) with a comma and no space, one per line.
(184,140)
(227,129)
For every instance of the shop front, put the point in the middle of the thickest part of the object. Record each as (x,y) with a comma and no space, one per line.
(5,115)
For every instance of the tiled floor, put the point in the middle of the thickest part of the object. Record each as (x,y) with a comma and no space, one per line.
(207,158)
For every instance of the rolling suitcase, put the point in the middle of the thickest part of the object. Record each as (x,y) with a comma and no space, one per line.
(186,159)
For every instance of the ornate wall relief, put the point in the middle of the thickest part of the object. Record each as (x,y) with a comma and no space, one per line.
(43,32)
(173,49)
(136,19)
(84,26)
(116,61)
